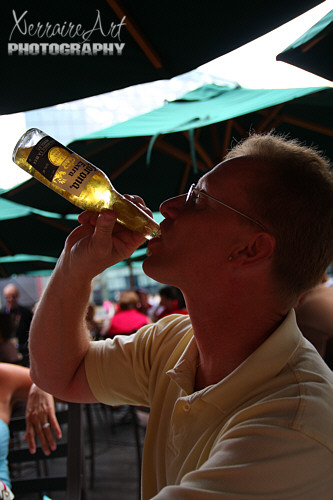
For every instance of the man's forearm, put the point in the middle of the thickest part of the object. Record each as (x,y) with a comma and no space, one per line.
(58,336)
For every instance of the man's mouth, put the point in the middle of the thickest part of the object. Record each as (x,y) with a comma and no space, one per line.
(152,243)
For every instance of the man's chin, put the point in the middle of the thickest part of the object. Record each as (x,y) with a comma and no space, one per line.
(147,268)
(154,269)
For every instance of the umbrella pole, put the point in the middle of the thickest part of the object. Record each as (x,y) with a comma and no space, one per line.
(131,275)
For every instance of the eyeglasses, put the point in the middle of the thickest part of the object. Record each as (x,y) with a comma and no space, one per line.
(194,193)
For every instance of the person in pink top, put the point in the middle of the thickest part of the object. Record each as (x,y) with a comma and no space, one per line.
(127,319)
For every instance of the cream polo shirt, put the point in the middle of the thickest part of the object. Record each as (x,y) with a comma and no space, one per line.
(263,432)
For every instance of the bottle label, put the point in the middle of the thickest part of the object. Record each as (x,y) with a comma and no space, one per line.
(60,166)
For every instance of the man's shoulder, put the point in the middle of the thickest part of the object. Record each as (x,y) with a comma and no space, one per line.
(315,388)
(173,324)
(172,331)
(300,397)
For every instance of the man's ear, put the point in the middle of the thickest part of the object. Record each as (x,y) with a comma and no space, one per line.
(260,247)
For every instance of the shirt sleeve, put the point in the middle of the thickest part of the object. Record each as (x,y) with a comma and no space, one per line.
(127,368)
(118,369)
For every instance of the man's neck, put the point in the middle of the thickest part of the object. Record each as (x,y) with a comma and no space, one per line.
(226,336)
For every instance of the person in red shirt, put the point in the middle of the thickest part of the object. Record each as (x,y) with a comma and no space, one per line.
(127,319)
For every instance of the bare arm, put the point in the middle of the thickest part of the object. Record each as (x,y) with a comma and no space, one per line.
(59,339)
(16,385)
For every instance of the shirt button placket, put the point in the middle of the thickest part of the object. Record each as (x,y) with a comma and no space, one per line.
(187,407)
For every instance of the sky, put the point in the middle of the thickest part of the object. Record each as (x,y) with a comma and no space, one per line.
(252,66)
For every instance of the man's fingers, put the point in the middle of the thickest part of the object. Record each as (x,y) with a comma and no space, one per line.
(88,217)
(137,200)
(103,229)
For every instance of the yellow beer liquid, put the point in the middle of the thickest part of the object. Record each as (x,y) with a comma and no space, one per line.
(97,194)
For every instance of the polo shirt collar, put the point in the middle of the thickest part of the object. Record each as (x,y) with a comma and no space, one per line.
(263,364)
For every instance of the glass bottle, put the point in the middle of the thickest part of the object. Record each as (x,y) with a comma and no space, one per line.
(77,180)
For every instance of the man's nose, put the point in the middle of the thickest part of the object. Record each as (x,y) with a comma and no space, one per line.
(171,207)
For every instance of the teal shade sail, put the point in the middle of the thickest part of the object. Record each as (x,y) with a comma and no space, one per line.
(313,50)
(26,264)
(158,155)
(26,230)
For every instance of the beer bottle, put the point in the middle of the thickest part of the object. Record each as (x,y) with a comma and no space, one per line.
(80,182)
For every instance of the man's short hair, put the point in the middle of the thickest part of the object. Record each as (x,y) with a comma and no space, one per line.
(294,199)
